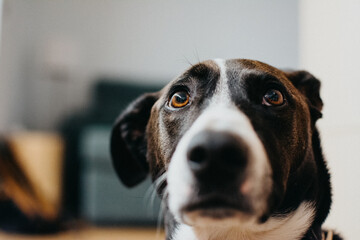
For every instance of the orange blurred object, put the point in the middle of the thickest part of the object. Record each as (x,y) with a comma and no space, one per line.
(35,186)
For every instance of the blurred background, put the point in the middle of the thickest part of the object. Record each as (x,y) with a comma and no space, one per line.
(67,68)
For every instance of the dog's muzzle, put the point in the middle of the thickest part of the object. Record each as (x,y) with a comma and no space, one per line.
(219,169)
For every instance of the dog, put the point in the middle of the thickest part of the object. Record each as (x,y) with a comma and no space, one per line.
(234,151)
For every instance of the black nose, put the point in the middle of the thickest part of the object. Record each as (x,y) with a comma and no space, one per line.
(217,151)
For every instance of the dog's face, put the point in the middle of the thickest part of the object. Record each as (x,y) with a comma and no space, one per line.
(230,136)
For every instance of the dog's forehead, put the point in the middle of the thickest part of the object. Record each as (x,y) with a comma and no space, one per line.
(213,70)
(247,64)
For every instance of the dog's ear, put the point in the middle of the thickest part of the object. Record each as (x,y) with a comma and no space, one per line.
(309,86)
(128,141)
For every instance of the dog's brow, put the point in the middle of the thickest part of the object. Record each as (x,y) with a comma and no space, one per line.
(204,74)
(199,70)
(182,81)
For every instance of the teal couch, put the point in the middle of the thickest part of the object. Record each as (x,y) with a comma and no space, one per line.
(92,191)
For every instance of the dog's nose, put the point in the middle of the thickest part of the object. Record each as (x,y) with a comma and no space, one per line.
(217,151)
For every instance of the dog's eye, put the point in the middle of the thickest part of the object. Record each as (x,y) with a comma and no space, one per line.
(179,99)
(273,98)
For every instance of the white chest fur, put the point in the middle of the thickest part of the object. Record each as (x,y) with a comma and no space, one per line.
(290,227)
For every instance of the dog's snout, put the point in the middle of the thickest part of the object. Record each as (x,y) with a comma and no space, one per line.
(216,150)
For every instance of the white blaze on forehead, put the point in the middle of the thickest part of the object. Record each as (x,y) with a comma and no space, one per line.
(223,116)
(222,93)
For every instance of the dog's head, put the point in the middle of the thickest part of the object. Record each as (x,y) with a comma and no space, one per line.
(234,138)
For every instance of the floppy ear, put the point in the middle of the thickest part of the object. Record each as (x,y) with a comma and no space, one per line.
(309,86)
(128,141)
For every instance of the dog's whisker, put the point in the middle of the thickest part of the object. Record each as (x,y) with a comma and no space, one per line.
(161,213)
(160,179)
(152,199)
(150,195)
(197,55)
(159,182)
(148,201)
(188,61)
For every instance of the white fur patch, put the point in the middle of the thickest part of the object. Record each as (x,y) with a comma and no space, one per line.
(184,232)
(292,226)
(222,94)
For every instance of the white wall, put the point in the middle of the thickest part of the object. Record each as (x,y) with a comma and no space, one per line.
(141,39)
(330,49)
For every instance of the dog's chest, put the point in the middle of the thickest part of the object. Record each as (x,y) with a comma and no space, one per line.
(187,233)
(293,227)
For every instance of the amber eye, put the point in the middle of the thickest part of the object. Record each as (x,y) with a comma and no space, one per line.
(179,99)
(273,98)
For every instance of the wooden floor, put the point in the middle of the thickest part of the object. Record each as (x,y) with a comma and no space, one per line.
(95,234)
